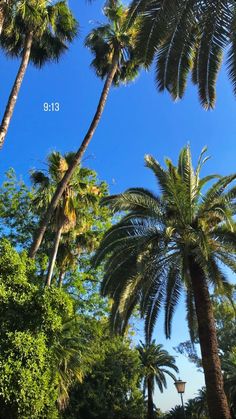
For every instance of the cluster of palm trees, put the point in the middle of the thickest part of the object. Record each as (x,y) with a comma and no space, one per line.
(166,244)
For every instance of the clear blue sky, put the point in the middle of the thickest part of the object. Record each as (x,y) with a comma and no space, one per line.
(137,120)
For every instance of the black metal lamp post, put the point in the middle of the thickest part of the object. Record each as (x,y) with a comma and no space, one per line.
(180,387)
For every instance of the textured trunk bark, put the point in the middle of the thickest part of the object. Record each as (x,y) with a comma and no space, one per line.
(60,279)
(150,414)
(53,257)
(2,15)
(216,398)
(16,88)
(64,182)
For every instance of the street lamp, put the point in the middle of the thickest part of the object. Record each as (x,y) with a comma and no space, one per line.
(180,387)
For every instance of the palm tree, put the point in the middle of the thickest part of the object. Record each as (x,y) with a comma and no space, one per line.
(69,214)
(175,413)
(67,359)
(201,403)
(38,32)
(112,45)
(187,36)
(191,409)
(166,244)
(156,363)
(197,408)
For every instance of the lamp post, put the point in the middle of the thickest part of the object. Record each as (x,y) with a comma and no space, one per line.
(180,387)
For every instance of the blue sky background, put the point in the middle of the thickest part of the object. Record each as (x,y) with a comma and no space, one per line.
(137,120)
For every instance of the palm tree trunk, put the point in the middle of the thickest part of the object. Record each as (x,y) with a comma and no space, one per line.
(60,279)
(150,414)
(216,398)
(16,88)
(2,15)
(53,257)
(78,156)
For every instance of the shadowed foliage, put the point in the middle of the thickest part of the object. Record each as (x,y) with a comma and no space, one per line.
(186,36)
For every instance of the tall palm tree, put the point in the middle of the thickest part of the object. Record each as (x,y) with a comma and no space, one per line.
(70,213)
(188,36)
(173,242)
(37,32)
(112,45)
(156,363)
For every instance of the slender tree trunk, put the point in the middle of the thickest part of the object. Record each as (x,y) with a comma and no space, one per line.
(16,88)
(78,156)
(216,398)
(53,257)
(60,279)
(2,15)
(150,414)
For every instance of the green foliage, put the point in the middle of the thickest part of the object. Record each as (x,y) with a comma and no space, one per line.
(52,26)
(78,215)
(175,413)
(224,313)
(55,306)
(185,37)
(114,39)
(196,408)
(31,321)
(26,385)
(111,388)
(225,317)
(17,218)
(157,363)
(46,350)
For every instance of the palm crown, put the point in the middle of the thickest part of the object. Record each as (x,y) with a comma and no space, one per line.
(75,214)
(157,364)
(114,39)
(52,26)
(80,192)
(65,214)
(149,252)
(184,36)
